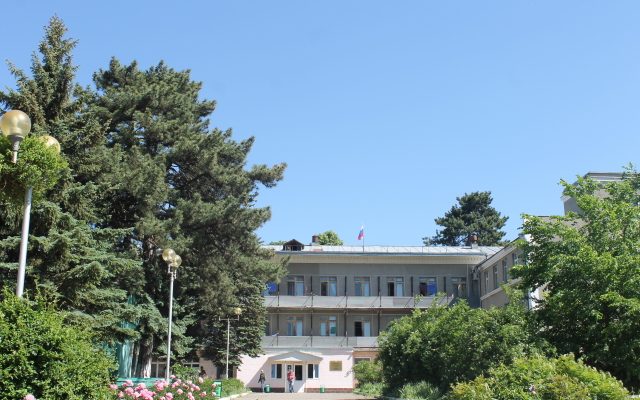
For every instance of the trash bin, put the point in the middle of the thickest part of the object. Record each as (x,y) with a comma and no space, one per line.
(267,388)
(321,388)
(218,388)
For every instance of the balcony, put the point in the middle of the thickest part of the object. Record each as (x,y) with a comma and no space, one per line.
(318,341)
(353,302)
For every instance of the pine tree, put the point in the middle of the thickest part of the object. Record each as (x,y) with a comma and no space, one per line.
(145,172)
(70,258)
(472,216)
(179,184)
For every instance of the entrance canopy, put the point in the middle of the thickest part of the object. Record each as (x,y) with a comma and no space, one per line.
(294,356)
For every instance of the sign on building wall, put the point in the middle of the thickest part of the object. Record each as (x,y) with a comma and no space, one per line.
(335,365)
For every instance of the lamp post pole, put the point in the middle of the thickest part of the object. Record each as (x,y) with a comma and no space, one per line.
(237,311)
(173,262)
(16,125)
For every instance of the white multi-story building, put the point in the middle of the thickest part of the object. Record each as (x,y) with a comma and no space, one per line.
(326,314)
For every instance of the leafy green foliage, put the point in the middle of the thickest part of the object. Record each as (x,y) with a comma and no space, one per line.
(418,391)
(330,238)
(368,372)
(589,266)
(473,215)
(42,356)
(537,377)
(376,388)
(37,167)
(434,345)
(232,386)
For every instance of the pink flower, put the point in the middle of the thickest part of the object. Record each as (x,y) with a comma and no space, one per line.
(172,377)
(200,380)
(29,397)
(121,395)
(113,387)
(129,382)
(169,396)
(180,391)
(129,390)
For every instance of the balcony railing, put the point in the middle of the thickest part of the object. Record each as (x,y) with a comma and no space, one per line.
(362,302)
(319,341)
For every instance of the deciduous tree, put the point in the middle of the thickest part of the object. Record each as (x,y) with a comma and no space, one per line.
(589,266)
(330,238)
(443,345)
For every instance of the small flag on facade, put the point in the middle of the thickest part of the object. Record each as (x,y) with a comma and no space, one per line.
(361,234)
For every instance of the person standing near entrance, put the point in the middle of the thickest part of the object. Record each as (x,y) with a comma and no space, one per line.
(262,379)
(290,378)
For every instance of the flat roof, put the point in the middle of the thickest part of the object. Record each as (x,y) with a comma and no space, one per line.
(391,250)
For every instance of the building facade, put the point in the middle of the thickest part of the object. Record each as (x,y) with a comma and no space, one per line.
(325,315)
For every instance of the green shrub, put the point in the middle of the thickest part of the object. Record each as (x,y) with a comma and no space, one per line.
(368,372)
(42,357)
(537,377)
(419,391)
(376,388)
(232,386)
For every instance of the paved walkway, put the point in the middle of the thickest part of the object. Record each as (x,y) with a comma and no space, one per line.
(303,396)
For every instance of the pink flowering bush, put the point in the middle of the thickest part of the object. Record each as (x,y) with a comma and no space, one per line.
(174,389)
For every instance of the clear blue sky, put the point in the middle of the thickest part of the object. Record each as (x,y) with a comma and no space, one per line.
(385,111)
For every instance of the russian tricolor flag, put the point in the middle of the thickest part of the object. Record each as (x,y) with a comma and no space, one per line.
(361,234)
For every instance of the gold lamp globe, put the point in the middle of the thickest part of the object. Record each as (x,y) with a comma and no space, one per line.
(15,125)
(168,255)
(50,141)
(237,311)
(177,261)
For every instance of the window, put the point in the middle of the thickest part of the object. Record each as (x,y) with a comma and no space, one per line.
(459,287)
(313,371)
(486,282)
(267,320)
(428,286)
(363,286)
(362,326)
(357,361)
(329,326)
(158,367)
(514,257)
(276,371)
(394,286)
(495,276)
(295,285)
(505,270)
(328,286)
(294,326)
(271,289)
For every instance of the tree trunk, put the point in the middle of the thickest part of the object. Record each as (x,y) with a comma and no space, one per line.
(144,360)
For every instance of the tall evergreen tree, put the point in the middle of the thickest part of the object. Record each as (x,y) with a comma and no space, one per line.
(473,215)
(182,185)
(69,256)
(145,172)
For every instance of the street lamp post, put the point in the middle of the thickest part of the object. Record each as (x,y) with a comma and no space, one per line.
(173,262)
(16,125)
(236,311)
